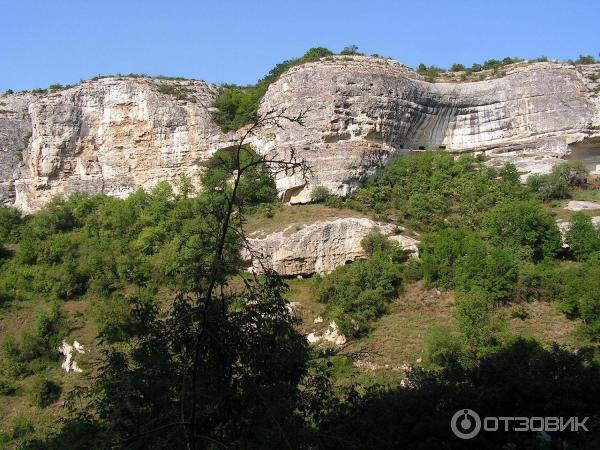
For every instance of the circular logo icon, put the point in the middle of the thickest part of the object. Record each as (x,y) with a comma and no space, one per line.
(465,424)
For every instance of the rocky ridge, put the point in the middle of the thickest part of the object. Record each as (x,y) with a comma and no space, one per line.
(318,247)
(116,134)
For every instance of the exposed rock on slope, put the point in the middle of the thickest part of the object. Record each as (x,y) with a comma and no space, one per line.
(319,247)
(116,134)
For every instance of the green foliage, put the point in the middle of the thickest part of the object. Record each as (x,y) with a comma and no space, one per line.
(457,68)
(443,345)
(413,270)
(38,343)
(525,226)
(256,184)
(584,59)
(357,293)
(10,220)
(558,184)
(351,50)
(431,191)
(441,251)
(21,427)
(583,238)
(319,194)
(238,105)
(460,259)
(43,391)
(548,187)
(479,322)
(429,72)
(180,92)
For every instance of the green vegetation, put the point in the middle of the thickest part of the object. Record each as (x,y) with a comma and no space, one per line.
(43,392)
(357,293)
(559,184)
(161,281)
(319,194)
(238,105)
(178,91)
(433,191)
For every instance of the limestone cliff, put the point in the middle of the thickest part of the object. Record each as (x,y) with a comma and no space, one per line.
(115,134)
(112,135)
(363,110)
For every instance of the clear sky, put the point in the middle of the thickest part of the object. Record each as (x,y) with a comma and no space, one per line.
(62,41)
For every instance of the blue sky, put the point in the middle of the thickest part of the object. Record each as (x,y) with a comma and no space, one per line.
(44,42)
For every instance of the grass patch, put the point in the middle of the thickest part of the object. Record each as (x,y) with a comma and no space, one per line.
(296,214)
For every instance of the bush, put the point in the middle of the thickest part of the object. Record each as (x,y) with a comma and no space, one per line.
(351,50)
(583,238)
(22,427)
(7,387)
(548,187)
(376,242)
(412,270)
(574,173)
(479,322)
(524,225)
(43,391)
(457,68)
(444,346)
(431,191)
(440,252)
(558,184)
(357,293)
(319,194)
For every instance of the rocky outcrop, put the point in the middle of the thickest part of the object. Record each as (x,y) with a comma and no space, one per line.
(116,134)
(318,247)
(112,136)
(361,111)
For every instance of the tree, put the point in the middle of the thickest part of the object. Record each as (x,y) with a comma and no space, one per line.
(457,68)
(350,50)
(583,238)
(223,368)
(524,225)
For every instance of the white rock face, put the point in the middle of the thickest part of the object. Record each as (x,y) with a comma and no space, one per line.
(116,134)
(578,205)
(109,136)
(319,247)
(331,335)
(363,110)
(69,365)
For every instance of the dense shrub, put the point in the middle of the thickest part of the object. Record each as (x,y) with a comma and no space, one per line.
(432,191)
(39,342)
(319,194)
(525,226)
(357,293)
(558,184)
(583,238)
(444,345)
(460,259)
(43,391)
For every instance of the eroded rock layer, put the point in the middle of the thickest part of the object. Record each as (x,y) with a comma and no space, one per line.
(319,247)
(116,134)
